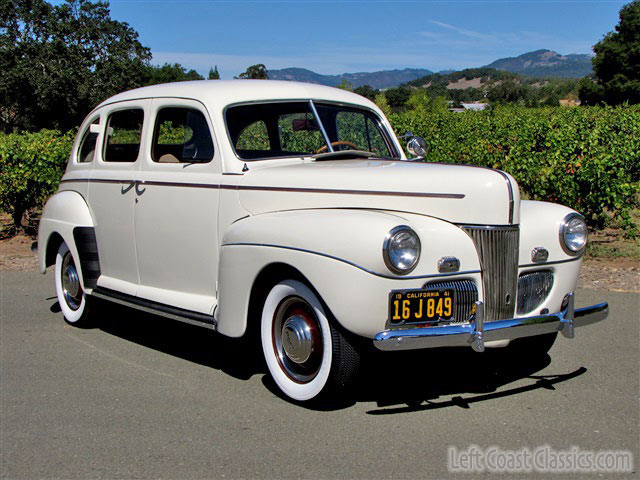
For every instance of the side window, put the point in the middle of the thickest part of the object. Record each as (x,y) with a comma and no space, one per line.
(87,148)
(358,129)
(299,133)
(123,133)
(254,137)
(181,135)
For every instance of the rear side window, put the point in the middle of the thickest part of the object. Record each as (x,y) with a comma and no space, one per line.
(181,135)
(123,134)
(87,148)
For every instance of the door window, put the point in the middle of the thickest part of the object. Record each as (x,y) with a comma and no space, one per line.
(87,148)
(123,134)
(181,135)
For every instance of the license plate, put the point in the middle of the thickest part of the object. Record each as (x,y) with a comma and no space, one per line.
(422,306)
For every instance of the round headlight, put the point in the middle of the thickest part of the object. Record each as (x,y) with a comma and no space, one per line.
(573,234)
(401,250)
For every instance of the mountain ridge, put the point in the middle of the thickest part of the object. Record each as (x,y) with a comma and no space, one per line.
(378,79)
(546,63)
(538,63)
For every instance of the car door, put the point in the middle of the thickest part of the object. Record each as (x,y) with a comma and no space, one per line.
(112,194)
(176,207)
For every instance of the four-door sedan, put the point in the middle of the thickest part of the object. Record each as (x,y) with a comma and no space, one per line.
(290,210)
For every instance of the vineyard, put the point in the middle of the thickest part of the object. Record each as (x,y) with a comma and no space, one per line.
(587,158)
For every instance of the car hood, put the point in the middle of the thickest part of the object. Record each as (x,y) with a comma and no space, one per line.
(456,193)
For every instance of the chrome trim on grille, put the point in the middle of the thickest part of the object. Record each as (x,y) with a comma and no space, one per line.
(533,289)
(497,248)
(466,296)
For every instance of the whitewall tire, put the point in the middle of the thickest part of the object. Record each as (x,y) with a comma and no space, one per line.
(305,354)
(71,297)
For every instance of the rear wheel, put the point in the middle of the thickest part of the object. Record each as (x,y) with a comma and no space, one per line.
(306,355)
(74,303)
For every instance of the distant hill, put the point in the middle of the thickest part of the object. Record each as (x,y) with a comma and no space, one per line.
(546,63)
(470,77)
(381,79)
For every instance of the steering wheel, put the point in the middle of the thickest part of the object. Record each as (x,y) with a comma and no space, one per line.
(335,144)
(186,152)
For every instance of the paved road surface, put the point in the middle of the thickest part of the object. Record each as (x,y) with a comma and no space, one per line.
(141,397)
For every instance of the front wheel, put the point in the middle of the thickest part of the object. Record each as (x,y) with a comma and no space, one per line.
(306,355)
(73,301)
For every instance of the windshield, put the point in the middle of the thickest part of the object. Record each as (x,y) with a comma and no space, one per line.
(294,129)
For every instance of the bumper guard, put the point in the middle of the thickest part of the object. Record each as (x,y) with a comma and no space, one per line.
(477,332)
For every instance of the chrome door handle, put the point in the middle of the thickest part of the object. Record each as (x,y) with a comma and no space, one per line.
(139,191)
(125,189)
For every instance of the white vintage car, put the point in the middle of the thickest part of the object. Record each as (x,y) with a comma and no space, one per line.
(290,210)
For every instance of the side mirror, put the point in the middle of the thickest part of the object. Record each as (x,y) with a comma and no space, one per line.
(94,128)
(417,147)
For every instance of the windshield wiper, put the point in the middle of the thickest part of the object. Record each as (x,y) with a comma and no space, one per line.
(344,154)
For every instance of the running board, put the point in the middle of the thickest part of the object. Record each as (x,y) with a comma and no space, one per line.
(174,313)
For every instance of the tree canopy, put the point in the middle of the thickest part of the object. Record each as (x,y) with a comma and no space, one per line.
(258,71)
(57,62)
(616,65)
(213,73)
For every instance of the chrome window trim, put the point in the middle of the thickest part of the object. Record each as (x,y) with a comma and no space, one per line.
(562,230)
(85,132)
(388,137)
(321,125)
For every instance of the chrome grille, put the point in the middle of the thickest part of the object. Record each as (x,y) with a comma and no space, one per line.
(498,251)
(466,296)
(533,289)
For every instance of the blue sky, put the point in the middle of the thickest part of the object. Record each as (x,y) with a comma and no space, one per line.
(335,37)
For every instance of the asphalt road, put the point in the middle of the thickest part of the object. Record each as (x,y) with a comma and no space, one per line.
(139,397)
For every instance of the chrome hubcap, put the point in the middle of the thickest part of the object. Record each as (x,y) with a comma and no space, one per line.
(297,340)
(71,283)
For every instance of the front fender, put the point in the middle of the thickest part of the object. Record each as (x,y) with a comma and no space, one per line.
(62,213)
(339,252)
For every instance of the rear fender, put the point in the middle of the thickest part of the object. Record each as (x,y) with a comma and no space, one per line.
(63,212)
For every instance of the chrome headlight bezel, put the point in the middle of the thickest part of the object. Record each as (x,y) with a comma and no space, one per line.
(564,227)
(388,243)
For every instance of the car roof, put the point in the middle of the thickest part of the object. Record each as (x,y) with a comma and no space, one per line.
(226,92)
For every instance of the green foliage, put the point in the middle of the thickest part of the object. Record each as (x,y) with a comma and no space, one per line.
(381,101)
(345,85)
(585,158)
(213,74)
(58,62)
(31,165)
(258,71)
(398,98)
(367,92)
(498,87)
(168,73)
(617,62)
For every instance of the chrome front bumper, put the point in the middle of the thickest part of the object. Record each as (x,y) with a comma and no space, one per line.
(477,332)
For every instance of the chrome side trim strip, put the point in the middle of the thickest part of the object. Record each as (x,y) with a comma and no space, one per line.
(185,316)
(455,196)
(477,334)
(364,269)
(511,200)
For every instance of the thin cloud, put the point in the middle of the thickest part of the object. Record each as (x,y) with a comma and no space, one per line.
(462,31)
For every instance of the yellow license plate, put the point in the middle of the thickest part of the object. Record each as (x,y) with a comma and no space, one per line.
(422,306)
